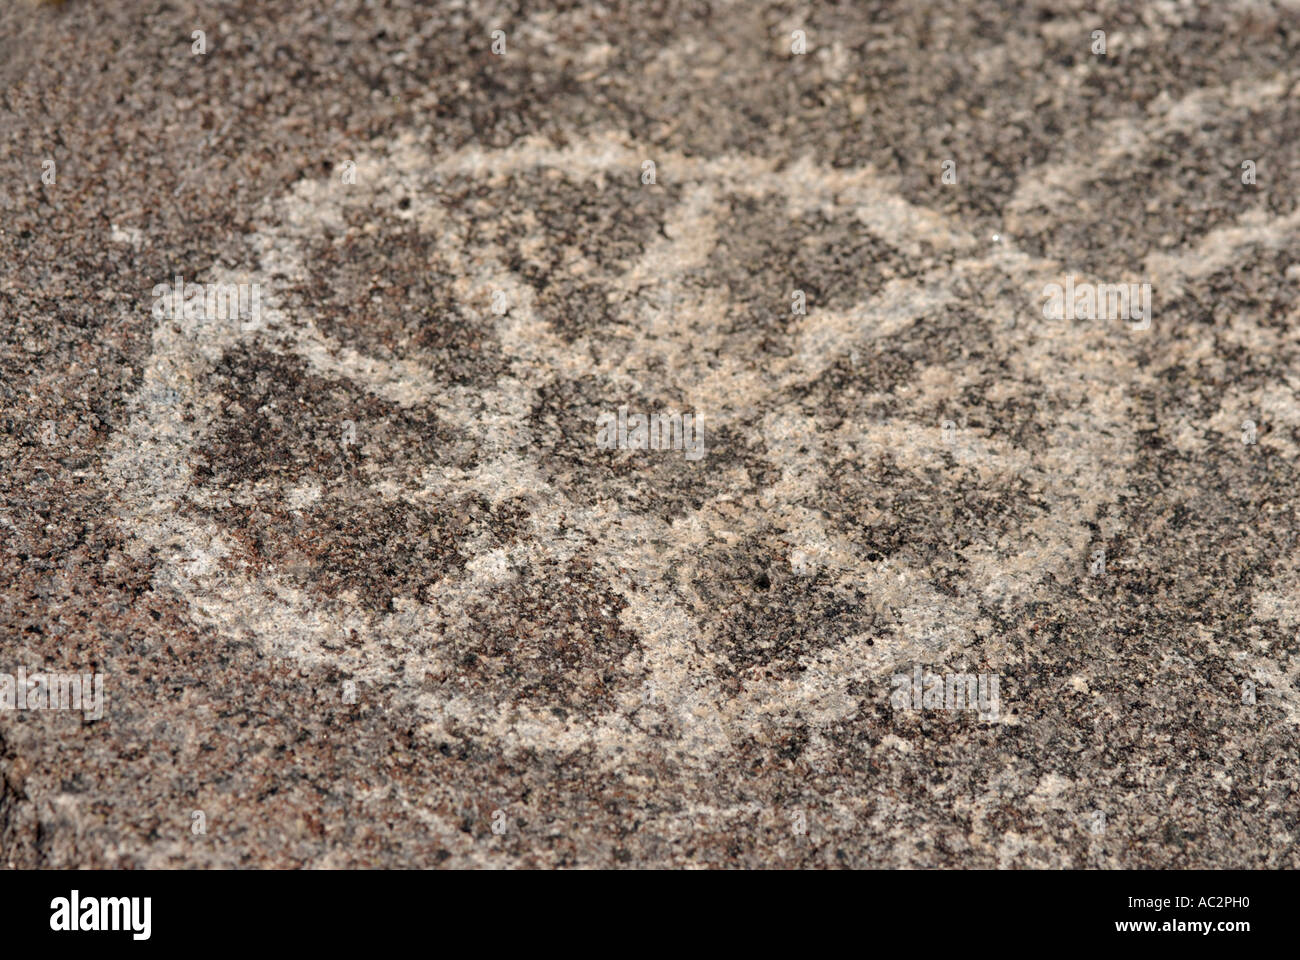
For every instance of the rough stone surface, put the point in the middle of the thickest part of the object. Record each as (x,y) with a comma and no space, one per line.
(387,485)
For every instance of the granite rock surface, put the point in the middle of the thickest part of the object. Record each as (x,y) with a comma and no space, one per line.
(365,588)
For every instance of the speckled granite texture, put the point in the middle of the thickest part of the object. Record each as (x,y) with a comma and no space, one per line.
(366,590)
